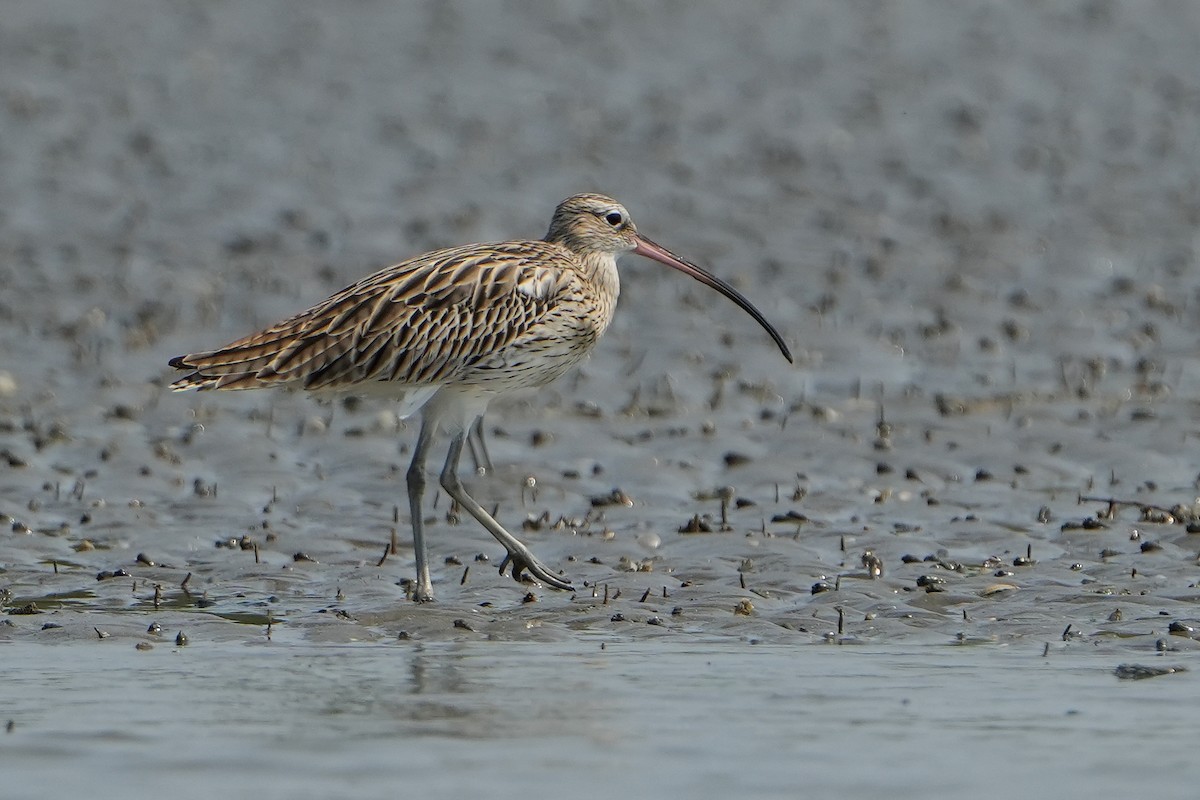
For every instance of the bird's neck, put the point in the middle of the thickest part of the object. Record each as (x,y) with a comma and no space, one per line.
(600,269)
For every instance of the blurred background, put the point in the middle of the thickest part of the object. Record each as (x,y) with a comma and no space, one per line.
(175,176)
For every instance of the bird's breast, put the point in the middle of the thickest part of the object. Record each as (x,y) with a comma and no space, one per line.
(561,337)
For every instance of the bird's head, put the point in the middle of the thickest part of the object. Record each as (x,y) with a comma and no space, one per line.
(597,227)
(593,224)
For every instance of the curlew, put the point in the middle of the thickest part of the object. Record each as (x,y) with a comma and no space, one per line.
(447,331)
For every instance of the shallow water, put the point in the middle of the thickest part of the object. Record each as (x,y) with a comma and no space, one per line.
(577,719)
(975,224)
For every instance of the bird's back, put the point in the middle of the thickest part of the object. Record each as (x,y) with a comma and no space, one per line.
(494,315)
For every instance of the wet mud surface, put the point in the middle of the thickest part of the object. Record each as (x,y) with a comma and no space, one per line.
(975,225)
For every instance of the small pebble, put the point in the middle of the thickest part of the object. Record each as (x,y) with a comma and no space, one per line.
(1137,672)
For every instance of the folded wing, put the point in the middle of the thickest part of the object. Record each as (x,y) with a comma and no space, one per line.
(421,323)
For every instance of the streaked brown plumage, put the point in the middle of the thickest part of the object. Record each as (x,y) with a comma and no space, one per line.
(447,331)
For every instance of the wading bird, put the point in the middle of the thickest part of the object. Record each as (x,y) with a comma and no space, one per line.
(447,331)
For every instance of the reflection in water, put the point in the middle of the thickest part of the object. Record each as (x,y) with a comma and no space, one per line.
(436,672)
(697,720)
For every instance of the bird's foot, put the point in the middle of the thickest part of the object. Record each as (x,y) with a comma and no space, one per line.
(522,560)
(419,591)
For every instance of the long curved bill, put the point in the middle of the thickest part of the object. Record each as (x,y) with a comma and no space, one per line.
(662,255)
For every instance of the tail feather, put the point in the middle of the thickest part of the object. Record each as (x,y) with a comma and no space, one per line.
(224,369)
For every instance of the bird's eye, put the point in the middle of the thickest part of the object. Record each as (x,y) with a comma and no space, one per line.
(614,218)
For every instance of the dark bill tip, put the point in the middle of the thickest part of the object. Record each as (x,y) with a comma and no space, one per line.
(662,255)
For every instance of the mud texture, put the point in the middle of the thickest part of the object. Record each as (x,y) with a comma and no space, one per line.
(974,222)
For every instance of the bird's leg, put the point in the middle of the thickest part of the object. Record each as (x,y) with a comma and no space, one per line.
(478,447)
(416,488)
(519,555)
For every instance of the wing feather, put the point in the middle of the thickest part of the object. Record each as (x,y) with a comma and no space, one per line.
(420,323)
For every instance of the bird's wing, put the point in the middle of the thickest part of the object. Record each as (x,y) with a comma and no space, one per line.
(419,323)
